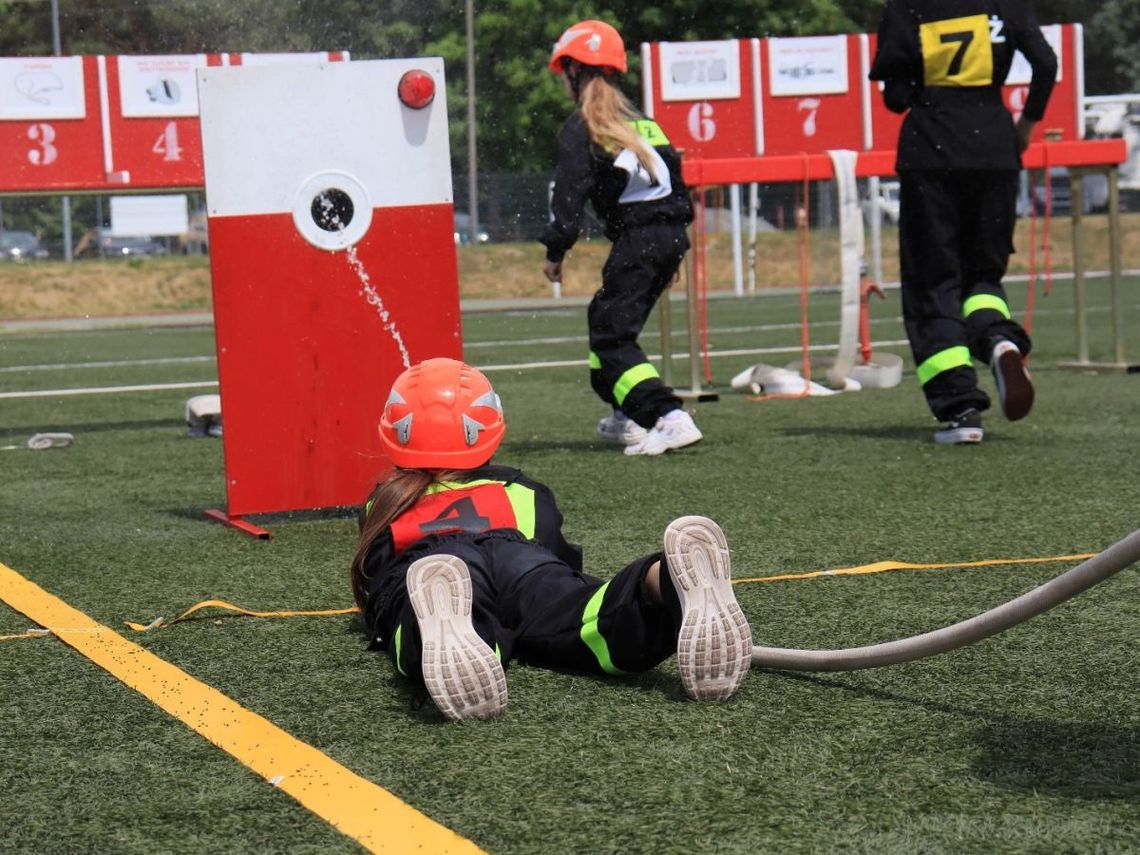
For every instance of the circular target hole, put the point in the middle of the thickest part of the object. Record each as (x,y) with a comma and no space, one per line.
(332,210)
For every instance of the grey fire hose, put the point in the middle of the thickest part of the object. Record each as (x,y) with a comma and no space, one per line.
(1070,583)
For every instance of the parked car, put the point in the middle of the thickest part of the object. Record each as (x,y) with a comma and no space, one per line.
(888,202)
(21,246)
(102,243)
(463,230)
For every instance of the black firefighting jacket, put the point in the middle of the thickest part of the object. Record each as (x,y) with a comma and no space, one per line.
(489,501)
(620,197)
(945,61)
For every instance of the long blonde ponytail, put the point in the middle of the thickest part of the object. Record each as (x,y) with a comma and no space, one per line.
(608,115)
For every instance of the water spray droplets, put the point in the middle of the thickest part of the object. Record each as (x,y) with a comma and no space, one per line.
(374,299)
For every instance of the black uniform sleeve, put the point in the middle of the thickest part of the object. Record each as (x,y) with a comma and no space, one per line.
(896,61)
(573,178)
(1033,45)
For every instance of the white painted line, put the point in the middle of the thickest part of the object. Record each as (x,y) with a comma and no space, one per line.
(118,363)
(516,366)
(757,351)
(106,390)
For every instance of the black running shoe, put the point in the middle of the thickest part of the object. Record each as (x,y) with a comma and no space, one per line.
(966,427)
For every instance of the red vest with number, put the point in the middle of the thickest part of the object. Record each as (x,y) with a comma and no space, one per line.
(473,507)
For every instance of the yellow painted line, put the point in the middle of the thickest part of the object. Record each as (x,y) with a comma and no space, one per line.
(887,566)
(353,805)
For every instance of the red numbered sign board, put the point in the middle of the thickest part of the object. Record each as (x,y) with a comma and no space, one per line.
(98,123)
(51,137)
(814,94)
(703,95)
(333,263)
(786,96)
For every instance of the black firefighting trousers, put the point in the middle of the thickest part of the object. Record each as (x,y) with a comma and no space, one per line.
(529,605)
(641,265)
(955,238)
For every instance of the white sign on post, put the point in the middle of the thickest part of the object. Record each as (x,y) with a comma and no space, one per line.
(150,216)
(159,86)
(49,87)
(811,65)
(700,71)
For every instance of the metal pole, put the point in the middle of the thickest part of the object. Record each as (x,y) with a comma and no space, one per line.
(1114,263)
(753,215)
(1076,203)
(66,201)
(472,160)
(876,213)
(737,260)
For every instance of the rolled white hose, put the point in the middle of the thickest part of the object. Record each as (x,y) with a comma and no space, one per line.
(1112,560)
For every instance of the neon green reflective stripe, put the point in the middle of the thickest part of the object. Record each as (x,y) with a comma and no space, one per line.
(985,301)
(399,649)
(631,378)
(651,132)
(522,501)
(595,363)
(944,360)
(593,637)
(498,652)
(520,497)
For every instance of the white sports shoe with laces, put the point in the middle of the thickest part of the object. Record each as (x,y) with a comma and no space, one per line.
(620,429)
(673,430)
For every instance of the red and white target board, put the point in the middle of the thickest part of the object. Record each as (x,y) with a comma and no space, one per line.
(333,261)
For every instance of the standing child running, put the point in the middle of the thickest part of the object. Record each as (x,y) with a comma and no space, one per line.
(943,63)
(462,567)
(623,163)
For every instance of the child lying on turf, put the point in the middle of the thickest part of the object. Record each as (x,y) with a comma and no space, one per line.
(462,566)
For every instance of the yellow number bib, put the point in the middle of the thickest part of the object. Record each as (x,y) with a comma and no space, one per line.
(651,131)
(957,52)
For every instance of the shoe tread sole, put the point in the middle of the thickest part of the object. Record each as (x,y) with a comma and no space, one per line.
(461,672)
(1015,390)
(714,647)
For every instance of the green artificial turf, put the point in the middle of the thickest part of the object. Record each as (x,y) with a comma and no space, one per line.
(1027,742)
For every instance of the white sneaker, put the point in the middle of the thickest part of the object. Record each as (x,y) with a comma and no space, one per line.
(714,649)
(673,430)
(462,673)
(617,428)
(1015,390)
